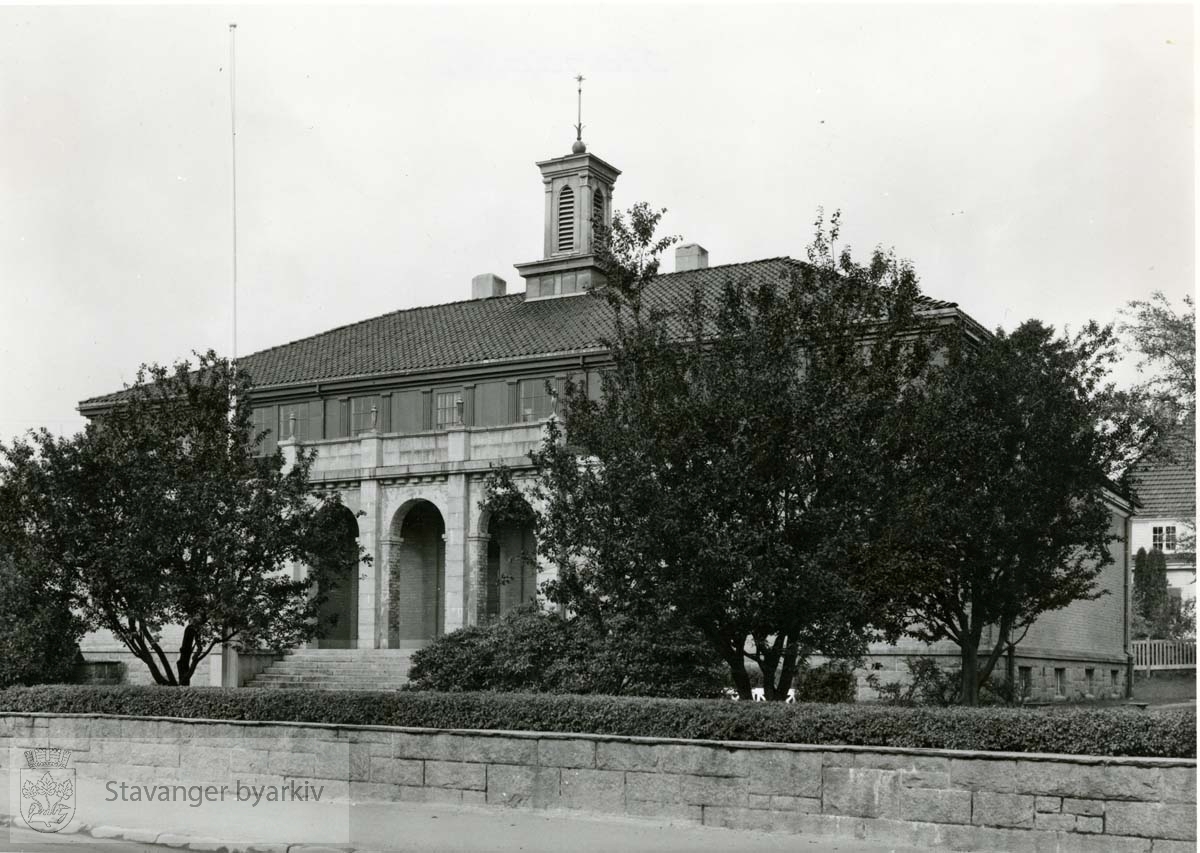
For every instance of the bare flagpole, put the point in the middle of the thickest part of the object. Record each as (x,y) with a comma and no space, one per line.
(233,147)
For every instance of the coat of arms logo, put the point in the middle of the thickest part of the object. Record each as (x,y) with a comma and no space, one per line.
(47,789)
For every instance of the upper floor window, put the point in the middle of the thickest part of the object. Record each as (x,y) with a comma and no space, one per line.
(307,424)
(536,402)
(262,419)
(447,409)
(566,220)
(364,414)
(1163,538)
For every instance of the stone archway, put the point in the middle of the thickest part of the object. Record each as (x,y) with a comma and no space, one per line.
(338,614)
(510,568)
(416,576)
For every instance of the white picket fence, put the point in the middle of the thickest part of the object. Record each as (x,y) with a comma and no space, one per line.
(1164,654)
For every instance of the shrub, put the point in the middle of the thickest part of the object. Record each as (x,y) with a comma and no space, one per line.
(532,650)
(928,684)
(1078,731)
(833,681)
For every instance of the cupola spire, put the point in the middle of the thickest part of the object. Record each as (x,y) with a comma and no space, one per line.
(579,147)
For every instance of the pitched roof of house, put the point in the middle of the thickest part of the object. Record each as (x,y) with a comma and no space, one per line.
(1167,488)
(477,331)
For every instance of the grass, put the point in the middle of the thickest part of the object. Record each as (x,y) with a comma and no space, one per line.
(1164,688)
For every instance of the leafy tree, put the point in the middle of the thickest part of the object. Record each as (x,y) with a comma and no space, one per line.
(1150,597)
(999,510)
(730,472)
(1165,338)
(163,512)
(39,635)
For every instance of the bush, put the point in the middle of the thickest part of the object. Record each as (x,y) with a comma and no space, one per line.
(1077,731)
(833,681)
(535,651)
(39,635)
(928,684)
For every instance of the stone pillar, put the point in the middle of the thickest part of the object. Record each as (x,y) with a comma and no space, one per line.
(368,576)
(230,666)
(389,633)
(290,447)
(216,667)
(476,596)
(458,443)
(456,519)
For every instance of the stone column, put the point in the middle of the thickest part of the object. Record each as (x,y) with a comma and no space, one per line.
(389,590)
(456,551)
(476,598)
(371,449)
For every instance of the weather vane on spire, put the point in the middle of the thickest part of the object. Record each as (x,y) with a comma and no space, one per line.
(579,147)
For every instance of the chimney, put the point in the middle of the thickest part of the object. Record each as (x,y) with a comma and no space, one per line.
(691,256)
(488,284)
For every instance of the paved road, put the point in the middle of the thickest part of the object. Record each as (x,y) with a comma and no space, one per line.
(415,828)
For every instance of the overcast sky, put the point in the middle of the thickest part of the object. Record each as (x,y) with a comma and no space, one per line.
(1032,161)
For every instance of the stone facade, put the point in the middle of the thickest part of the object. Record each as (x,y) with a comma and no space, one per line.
(931,799)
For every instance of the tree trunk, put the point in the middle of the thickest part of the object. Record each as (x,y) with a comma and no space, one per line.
(768,663)
(969,694)
(787,674)
(734,658)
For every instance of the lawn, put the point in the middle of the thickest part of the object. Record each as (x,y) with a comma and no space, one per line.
(1163,688)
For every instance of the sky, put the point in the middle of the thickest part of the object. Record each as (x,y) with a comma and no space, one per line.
(1032,161)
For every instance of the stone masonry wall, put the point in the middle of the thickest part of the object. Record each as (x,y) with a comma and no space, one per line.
(924,798)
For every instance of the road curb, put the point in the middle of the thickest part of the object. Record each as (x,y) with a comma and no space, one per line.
(176,840)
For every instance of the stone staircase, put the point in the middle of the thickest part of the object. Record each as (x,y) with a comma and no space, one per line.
(338,669)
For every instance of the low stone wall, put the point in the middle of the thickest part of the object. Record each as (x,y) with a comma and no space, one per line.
(923,798)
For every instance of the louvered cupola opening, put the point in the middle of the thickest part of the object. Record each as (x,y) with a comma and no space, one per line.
(598,208)
(566,220)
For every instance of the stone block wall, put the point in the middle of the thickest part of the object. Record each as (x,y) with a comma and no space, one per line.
(935,799)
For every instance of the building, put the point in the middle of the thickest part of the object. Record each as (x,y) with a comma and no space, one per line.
(409,410)
(1166,490)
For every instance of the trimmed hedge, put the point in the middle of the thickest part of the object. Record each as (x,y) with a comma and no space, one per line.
(1077,731)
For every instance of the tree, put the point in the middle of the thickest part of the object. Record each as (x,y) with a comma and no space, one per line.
(1150,597)
(1166,341)
(730,472)
(1000,508)
(39,634)
(163,511)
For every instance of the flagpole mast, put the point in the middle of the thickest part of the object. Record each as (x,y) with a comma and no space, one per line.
(233,150)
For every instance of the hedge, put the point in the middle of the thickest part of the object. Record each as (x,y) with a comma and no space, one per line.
(1078,731)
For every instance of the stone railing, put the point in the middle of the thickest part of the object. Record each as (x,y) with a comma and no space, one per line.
(938,799)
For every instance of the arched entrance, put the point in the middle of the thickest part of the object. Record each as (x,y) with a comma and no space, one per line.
(417,576)
(338,613)
(511,575)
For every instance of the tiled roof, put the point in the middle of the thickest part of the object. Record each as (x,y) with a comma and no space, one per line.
(1167,489)
(476,331)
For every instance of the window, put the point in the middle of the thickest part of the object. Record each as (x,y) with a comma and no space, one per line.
(566,220)
(598,208)
(263,418)
(362,418)
(1090,676)
(308,416)
(448,409)
(1163,538)
(1060,682)
(1116,679)
(536,402)
(1025,680)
